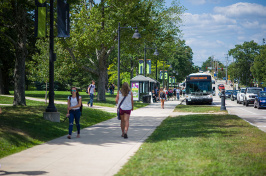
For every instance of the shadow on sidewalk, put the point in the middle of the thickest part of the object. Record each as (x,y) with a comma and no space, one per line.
(2,172)
(109,132)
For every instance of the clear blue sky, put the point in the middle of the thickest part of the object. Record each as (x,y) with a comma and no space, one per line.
(212,27)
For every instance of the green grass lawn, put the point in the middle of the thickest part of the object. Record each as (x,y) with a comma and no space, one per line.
(62,96)
(201,145)
(24,126)
(6,100)
(198,109)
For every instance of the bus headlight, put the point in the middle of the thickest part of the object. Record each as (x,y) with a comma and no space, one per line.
(209,96)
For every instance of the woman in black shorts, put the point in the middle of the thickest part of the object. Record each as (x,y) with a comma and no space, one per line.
(162,97)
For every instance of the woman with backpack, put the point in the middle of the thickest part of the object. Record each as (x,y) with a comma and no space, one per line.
(73,111)
(162,97)
(125,96)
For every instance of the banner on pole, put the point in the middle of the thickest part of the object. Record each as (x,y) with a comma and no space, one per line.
(148,71)
(165,74)
(141,64)
(40,18)
(63,26)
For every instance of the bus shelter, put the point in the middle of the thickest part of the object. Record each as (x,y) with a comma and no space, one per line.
(140,86)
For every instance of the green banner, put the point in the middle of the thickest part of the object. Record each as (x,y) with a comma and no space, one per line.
(141,64)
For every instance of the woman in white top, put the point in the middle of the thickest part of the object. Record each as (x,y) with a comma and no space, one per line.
(73,111)
(125,108)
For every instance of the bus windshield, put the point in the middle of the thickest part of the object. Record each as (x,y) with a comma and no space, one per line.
(198,86)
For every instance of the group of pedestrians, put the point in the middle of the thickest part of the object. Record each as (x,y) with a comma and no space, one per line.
(165,94)
(124,98)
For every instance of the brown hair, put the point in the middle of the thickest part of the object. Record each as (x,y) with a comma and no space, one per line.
(77,93)
(125,89)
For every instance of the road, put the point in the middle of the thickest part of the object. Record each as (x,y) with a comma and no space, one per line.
(254,116)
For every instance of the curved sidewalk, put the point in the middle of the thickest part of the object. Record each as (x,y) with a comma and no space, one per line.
(100,151)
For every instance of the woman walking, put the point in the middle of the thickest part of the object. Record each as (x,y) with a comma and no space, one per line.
(125,108)
(162,97)
(73,111)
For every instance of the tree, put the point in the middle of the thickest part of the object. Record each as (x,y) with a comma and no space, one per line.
(207,63)
(95,30)
(17,27)
(244,56)
(258,68)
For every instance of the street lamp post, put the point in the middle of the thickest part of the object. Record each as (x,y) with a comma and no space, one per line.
(51,107)
(51,111)
(136,35)
(156,53)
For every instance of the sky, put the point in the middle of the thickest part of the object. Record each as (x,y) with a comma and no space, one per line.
(213,27)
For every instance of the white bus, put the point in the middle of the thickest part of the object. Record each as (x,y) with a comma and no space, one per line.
(199,88)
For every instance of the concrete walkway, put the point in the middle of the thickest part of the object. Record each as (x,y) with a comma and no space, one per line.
(101,151)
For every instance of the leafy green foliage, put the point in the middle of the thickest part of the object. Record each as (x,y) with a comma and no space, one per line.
(244,56)
(258,68)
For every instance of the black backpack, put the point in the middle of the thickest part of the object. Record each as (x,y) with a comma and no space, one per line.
(80,108)
(89,87)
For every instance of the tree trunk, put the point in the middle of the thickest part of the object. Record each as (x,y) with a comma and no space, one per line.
(19,78)
(1,83)
(4,81)
(102,57)
(21,54)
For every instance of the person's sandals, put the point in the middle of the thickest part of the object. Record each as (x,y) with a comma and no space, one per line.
(125,136)
(78,136)
(69,137)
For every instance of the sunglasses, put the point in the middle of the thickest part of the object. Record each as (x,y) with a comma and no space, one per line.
(73,90)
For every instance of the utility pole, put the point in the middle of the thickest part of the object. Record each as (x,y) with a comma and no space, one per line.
(226,67)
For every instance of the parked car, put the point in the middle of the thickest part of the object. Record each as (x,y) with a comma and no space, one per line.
(260,100)
(250,94)
(234,95)
(240,96)
(228,93)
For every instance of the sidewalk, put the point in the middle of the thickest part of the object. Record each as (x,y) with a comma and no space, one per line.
(100,150)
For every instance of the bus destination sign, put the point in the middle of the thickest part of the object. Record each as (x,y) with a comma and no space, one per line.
(196,78)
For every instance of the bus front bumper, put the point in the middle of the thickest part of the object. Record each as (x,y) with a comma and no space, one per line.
(199,100)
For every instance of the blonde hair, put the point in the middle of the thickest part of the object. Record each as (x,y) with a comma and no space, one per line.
(125,89)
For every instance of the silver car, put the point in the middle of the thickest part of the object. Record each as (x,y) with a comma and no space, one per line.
(240,96)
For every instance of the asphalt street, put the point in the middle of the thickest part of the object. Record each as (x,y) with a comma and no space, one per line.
(254,116)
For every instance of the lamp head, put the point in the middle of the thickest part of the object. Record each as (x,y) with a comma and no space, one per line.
(156,53)
(136,35)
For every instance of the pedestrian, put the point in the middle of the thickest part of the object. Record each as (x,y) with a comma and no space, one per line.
(166,92)
(73,111)
(125,108)
(156,91)
(174,93)
(177,93)
(111,89)
(91,90)
(162,97)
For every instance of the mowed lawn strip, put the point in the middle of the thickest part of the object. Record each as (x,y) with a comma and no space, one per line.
(24,126)
(62,96)
(199,109)
(201,145)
